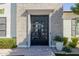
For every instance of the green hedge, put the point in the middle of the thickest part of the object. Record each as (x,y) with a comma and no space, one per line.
(74,42)
(58,38)
(65,41)
(7,43)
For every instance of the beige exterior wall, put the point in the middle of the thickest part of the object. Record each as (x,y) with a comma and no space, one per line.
(21,26)
(56,27)
(67,28)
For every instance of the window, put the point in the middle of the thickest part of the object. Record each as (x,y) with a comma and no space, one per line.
(2,26)
(75,27)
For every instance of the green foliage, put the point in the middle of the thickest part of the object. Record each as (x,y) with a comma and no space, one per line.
(74,39)
(65,41)
(58,38)
(75,9)
(73,43)
(7,43)
(2,11)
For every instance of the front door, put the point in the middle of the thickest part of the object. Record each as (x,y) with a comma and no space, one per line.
(39,29)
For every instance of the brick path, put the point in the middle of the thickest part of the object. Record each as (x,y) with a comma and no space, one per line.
(32,51)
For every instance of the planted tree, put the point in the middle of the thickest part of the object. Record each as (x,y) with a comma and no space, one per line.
(75,8)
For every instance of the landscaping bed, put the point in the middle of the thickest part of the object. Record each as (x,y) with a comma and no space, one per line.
(6,43)
(68,48)
(74,52)
(66,54)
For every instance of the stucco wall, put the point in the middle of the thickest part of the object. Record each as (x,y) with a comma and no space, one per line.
(67,29)
(57,22)
(21,25)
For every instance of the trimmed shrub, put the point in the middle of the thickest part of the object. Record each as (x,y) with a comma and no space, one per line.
(75,40)
(7,43)
(73,43)
(65,41)
(58,38)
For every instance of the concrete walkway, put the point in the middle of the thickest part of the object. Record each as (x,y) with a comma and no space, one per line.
(32,51)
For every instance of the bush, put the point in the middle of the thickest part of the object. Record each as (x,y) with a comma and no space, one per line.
(7,43)
(71,45)
(73,42)
(58,38)
(65,39)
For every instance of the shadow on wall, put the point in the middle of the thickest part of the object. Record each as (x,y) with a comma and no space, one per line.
(25,14)
(56,27)
(57,24)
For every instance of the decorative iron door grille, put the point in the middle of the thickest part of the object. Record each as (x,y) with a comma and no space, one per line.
(39,29)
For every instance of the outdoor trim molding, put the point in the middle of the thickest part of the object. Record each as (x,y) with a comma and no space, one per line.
(67,11)
(23,46)
(50,30)
(29,24)
(29,29)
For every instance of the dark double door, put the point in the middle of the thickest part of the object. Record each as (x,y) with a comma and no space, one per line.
(39,29)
